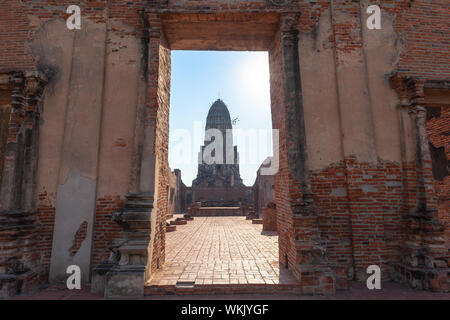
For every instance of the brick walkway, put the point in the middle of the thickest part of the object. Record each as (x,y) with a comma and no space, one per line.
(221,251)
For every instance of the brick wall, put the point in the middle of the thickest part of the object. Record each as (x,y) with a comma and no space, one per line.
(284,213)
(46,220)
(424,27)
(331,196)
(20,262)
(14,28)
(159,104)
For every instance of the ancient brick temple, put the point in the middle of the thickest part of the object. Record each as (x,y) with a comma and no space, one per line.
(218,182)
(362,116)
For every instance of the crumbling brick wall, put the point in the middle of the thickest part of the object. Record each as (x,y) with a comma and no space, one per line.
(105,229)
(46,218)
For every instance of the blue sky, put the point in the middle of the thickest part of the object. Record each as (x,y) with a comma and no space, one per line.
(241,80)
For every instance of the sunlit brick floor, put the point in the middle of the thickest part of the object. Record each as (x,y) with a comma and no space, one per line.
(220,251)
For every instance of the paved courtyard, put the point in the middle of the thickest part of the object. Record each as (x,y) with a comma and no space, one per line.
(221,251)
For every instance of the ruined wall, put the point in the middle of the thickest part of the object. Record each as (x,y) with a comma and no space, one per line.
(106,58)
(124,55)
(353,150)
(87,136)
(282,178)
(361,144)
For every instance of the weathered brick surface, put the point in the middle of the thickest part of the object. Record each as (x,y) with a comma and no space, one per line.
(14,27)
(422,24)
(363,205)
(46,219)
(105,228)
(20,262)
(424,27)
(158,113)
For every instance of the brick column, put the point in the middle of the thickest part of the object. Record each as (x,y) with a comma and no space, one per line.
(20,270)
(34,89)
(11,181)
(17,191)
(423,254)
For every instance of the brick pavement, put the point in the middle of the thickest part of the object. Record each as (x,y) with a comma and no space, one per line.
(221,251)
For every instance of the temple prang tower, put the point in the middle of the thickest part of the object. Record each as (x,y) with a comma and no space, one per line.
(224,169)
(218,181)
